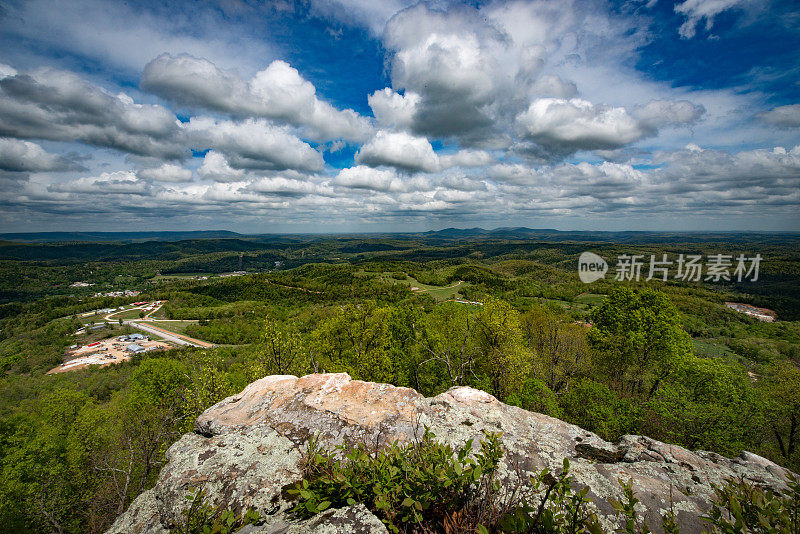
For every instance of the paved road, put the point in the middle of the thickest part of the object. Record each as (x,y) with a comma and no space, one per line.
(169,336)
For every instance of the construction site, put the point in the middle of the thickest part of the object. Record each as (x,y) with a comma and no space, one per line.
(108,351)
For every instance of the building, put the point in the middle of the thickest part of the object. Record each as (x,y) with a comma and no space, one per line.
(133,337)
(135,348)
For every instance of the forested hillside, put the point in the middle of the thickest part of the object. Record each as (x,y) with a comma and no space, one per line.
(662,359)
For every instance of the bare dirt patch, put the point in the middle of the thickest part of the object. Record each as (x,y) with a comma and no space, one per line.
(103,353)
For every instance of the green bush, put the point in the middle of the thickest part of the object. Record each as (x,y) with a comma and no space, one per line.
(535,396)
(561,509)
(406,485)
(593,406)
(743,508)
(204,518)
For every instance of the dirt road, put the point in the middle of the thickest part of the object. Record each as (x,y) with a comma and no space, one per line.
(180,339)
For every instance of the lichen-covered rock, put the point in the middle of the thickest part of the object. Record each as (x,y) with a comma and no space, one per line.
(246,448)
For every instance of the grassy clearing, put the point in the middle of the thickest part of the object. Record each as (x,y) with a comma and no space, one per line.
(128,314)
(160,313)
(710,349)
(439,293)
(173,326)
(590,299)
(181,276)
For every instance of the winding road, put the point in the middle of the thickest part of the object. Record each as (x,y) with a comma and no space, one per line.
(174,337)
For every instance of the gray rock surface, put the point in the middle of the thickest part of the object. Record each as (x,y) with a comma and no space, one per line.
(246,448)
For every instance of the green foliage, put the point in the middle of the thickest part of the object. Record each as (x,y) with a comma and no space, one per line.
(560,510)
(535,396)
(504,360)
(365,340)
(594,406)
(420,483)
(62,436)
(638,339)
(743,508)
(780,393)
(627,509)
(203,518)
(280,353)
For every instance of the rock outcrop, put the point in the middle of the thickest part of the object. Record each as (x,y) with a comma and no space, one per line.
(246,448)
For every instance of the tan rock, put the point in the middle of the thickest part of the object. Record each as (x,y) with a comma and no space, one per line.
(246,448)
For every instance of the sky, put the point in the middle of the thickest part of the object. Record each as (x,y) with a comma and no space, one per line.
(368,115)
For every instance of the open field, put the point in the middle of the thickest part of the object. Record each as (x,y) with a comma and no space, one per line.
(169,334)
(182,276)
(711,349)
(590,299)
(134,313)
(439,293)
(177,326)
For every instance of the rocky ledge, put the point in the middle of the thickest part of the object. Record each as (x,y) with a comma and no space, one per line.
(245,449)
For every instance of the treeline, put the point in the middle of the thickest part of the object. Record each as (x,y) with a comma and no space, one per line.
(75,450)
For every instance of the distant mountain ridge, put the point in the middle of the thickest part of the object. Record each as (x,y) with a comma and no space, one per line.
(49,237)
(446,234)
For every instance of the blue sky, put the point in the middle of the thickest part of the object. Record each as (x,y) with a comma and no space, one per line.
(357,115)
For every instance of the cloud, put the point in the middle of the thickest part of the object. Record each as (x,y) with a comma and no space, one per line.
(773,169)
(782,116)
(567,126)
(278,92)
(466,158)
(564,126)
(697,10)
(659,113)
(452,66)
(58,105)
(167,172)
(119,182)
(215,167)
(124,37)
(24,156)
(409,153)
(367,13)
(253,144)
(487,114)
(363,177)
(393,109)
(399,150)
(287,187)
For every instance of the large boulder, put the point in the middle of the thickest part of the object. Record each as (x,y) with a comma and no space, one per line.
(247,448)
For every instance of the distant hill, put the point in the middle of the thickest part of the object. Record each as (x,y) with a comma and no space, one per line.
(118,237)
(447,234)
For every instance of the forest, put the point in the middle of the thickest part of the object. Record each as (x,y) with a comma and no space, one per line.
(666,359)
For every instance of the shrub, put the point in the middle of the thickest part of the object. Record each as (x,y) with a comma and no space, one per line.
(560,509)
(406,485)
(593,406)
(203,518)
(743,508)
(427,486)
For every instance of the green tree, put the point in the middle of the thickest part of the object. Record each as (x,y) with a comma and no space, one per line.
(560,344)
(357,339)
(281,352)
(503,361)
(448,344)
(780,392)
(637,339)
(593,406)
